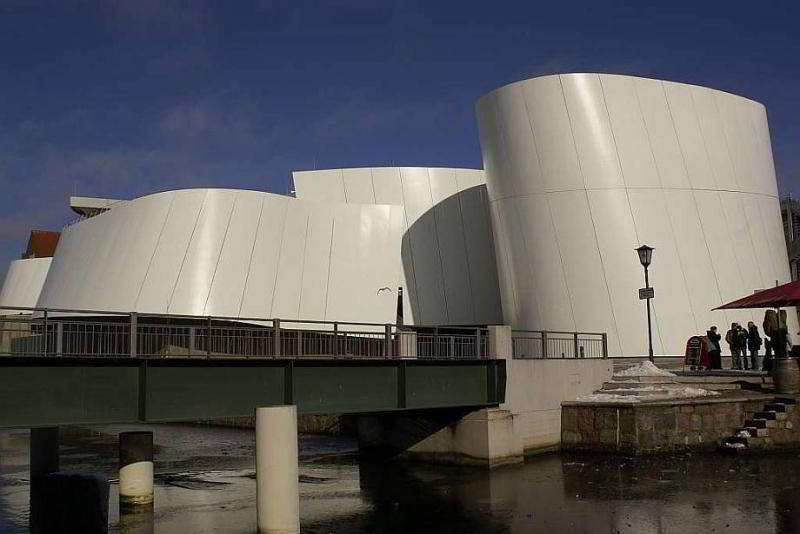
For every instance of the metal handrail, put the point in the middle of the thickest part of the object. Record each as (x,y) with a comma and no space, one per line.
(552,344)
(73,332)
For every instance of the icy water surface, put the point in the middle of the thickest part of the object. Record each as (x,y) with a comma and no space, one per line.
(205,484)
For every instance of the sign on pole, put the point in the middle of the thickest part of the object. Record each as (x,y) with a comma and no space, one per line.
(646,293)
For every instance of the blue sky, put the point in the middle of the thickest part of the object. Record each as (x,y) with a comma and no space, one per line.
(118,98)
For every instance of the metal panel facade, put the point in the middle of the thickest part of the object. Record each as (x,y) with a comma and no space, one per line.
(626,161)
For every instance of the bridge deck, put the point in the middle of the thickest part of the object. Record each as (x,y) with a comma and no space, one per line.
(47,391)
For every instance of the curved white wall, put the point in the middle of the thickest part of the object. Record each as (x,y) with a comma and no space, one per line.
(23,283)
(231,253)
(449,268)
(583,168)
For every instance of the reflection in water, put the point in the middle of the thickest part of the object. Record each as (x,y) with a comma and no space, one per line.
(205,483)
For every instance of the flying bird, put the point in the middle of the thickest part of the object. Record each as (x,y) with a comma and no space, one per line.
(383,289)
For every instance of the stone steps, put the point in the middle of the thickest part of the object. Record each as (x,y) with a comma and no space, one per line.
(759,427)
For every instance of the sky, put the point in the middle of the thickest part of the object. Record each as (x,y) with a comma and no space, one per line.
(119,98)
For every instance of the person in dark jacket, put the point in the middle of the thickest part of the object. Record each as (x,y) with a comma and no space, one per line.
(741,341)
(753,344)
(733,343)
(715,355)
(766,364)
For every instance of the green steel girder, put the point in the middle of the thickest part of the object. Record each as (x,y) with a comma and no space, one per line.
(39,391)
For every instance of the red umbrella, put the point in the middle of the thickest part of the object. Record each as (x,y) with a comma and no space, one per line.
(774,297)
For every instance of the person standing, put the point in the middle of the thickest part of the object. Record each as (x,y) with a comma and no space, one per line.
(753,344)
(715,352)
(741,341)
(733,345)
(766,364)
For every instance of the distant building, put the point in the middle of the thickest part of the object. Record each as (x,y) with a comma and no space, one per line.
(790,213)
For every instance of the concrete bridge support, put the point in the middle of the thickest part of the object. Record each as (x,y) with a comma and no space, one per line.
(527,422)
(43,461)
(135,469)
(277,483)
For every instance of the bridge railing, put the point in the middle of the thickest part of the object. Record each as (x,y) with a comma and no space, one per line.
(539,344)
(89,333)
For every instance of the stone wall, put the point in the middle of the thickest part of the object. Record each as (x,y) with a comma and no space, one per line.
(691,424)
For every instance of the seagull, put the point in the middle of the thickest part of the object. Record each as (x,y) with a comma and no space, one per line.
(383,289)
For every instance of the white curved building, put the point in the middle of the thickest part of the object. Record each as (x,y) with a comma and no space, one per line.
(583,168)
(580,169)
(231,253)
(448,265)
(23,282)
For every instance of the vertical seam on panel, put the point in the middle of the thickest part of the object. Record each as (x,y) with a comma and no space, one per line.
(278,262)
(155,248)
(625,183)
(507,239)
(372,181)
(549,210)
(250,260)
(770,250)
(344,186)
(186,252)
(727,144)
(330,257)
(221,249)
(494,268)
(418,315)
(530,263)
(666,206)
(739,187)
(694,198)
(303,265)
(438,248)
(466,252)
(591,217)
(503,243)
(718,193)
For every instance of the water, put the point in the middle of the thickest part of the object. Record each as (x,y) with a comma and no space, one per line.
(205,484)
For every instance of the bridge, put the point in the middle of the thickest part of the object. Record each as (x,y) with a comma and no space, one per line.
(69,367)
(51,391)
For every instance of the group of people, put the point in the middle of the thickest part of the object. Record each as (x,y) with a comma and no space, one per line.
(743,340)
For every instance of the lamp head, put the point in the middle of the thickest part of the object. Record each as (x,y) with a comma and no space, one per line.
(645,255)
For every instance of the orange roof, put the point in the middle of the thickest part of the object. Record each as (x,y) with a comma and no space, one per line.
(41,244)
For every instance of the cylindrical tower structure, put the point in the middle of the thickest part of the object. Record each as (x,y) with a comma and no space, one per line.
(583,168)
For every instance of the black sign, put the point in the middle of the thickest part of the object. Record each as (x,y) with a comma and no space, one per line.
(646,293)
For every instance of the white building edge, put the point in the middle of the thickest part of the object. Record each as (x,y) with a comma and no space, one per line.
(579,168)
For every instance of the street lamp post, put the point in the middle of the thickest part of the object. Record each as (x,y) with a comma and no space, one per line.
(645,256)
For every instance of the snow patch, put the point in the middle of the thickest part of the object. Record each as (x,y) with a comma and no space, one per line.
(648,393)
(646,368)
(735,445)
(742,434)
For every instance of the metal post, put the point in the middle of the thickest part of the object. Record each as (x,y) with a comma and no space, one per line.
(60,339)
(387,340)
(605,344)
(544,344)
(299,342)
(133,331)
(44,335)
(192,340)
(276,336)
(649,328)
(477,343)
(574,344)
(335,338)
(208,338)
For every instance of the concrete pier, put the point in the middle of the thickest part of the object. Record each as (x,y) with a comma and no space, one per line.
(135,469)
(277,484)
(43,461)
